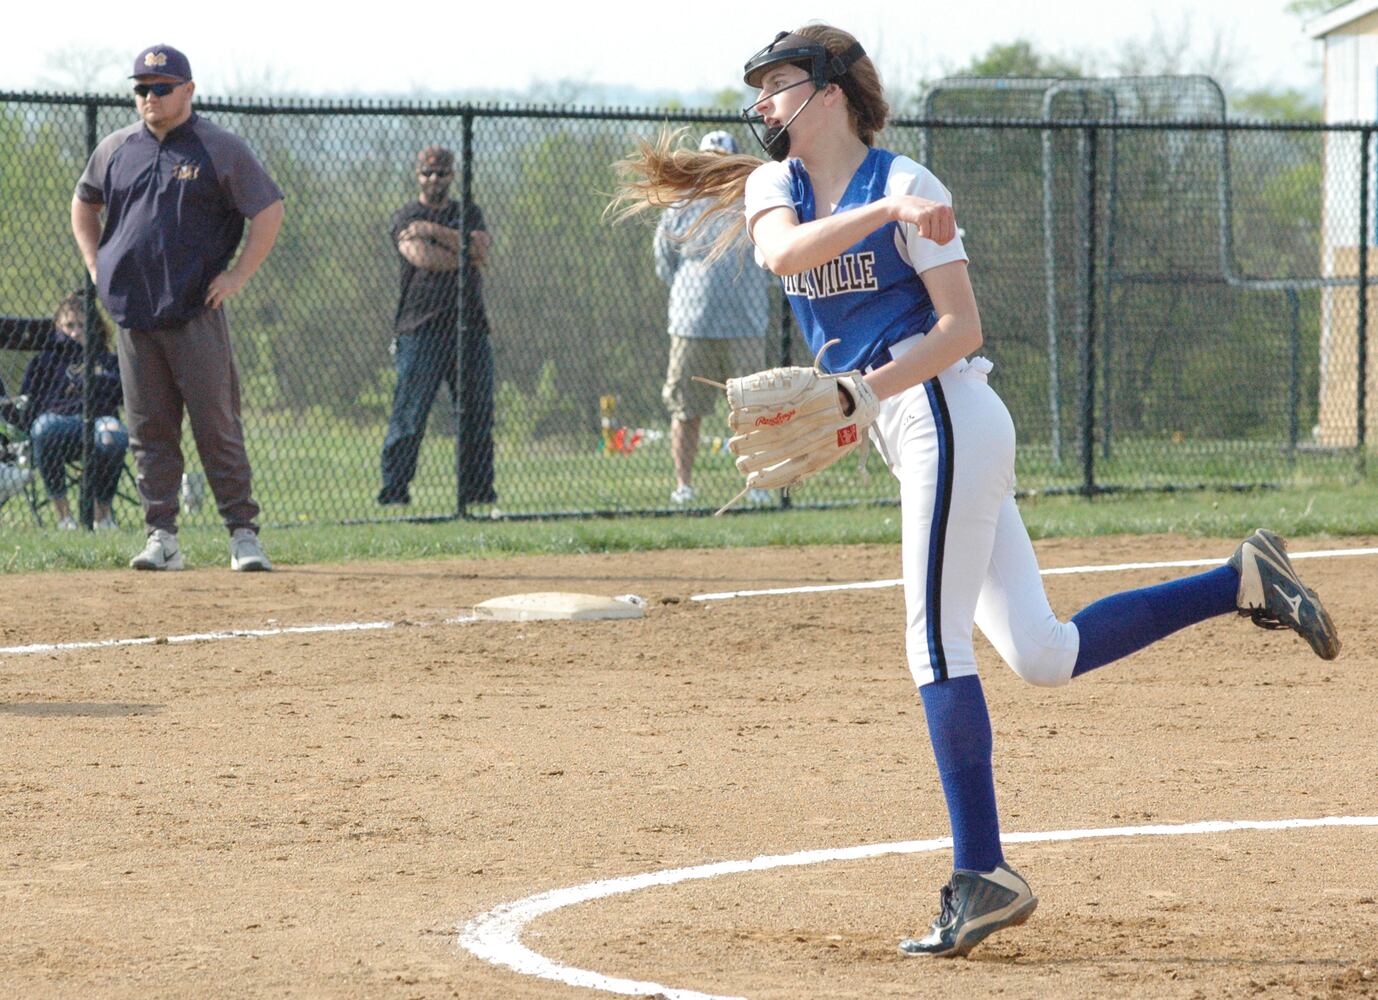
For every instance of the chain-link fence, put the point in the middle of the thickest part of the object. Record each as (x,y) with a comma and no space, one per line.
(1170,297)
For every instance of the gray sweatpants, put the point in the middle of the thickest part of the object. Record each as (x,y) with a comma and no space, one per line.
(187,367)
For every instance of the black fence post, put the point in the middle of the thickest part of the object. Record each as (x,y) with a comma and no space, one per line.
(1109,332)
(1294,384)
(786,353)
(1088,347)
(86,505)
(786,330)
(1361,407)
(461,396)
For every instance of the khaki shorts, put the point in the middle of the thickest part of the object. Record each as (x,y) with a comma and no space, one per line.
(718,358)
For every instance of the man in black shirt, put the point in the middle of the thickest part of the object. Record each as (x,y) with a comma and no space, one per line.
(427,233)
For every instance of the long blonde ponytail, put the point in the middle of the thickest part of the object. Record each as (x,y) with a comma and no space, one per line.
(665,172)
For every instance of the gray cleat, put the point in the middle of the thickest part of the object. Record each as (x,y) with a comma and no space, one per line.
(1271,593)
(974,906)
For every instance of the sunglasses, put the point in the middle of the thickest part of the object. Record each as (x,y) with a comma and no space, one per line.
(156,89)
(435,173)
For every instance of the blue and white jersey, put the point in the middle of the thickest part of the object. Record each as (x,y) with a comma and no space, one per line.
(871,296)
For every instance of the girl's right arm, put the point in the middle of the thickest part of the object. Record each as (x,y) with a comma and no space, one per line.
(789,247)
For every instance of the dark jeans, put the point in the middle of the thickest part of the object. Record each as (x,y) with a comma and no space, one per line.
(425,358)
(56,440)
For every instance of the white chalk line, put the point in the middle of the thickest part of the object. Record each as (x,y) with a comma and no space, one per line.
(258,633)
(239,633)
(728,595)
(495,936)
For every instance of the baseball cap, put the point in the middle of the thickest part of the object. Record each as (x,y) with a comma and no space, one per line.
(435,158)
(161,60)
(719,142)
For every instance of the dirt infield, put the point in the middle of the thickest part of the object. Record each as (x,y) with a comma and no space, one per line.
(315,815)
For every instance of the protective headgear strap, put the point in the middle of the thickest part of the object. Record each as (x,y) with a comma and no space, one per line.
(822,66)
(839,64)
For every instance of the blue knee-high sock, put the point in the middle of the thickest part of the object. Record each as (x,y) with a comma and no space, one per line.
(1117,625)
(959,726)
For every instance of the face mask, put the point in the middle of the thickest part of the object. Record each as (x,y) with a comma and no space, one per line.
(776,143)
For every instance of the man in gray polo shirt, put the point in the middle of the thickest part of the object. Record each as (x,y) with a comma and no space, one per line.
(718,313)
(176,191)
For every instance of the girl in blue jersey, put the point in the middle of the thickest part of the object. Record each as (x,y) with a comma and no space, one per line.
(866,244)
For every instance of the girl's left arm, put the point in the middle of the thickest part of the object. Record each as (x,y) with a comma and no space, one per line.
(956,334)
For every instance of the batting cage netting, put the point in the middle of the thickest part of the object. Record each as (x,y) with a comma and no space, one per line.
(1170,297)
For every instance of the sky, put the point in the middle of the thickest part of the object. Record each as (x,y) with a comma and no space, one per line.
(353,49)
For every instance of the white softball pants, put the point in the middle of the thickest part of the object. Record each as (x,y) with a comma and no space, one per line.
(967,558)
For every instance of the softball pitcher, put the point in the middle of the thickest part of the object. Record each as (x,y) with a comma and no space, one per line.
(866,244)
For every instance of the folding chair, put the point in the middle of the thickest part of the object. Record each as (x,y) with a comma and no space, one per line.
(16,451)
(127,490)
(16,477)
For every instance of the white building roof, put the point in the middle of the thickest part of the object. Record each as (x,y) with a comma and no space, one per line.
(1341,16)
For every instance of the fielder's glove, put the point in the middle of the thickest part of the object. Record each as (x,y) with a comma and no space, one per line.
(789,423)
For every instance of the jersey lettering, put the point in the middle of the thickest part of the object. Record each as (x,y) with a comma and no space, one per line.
(851,272)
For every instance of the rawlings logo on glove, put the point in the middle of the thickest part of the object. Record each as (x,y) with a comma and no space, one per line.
(789,423)
(774,421)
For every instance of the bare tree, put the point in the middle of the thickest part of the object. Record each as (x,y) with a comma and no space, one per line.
(1176,51)
(1311,8)
(567,91)
(83,70)
(252,81)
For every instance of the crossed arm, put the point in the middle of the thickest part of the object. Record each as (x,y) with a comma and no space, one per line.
(433,247)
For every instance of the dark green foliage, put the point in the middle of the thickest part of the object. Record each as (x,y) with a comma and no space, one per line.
(1195,376)
(1019,58)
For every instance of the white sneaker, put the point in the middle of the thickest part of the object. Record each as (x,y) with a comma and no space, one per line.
(161,552)
(246,553)
(106,523)
(683,495)
(758,496)
(68,523)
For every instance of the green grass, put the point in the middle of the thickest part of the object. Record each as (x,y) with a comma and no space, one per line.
(313,468)
(1319,511)
(312,472)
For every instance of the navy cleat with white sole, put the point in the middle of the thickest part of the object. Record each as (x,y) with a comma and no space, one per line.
(1271,593)
(974,906)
